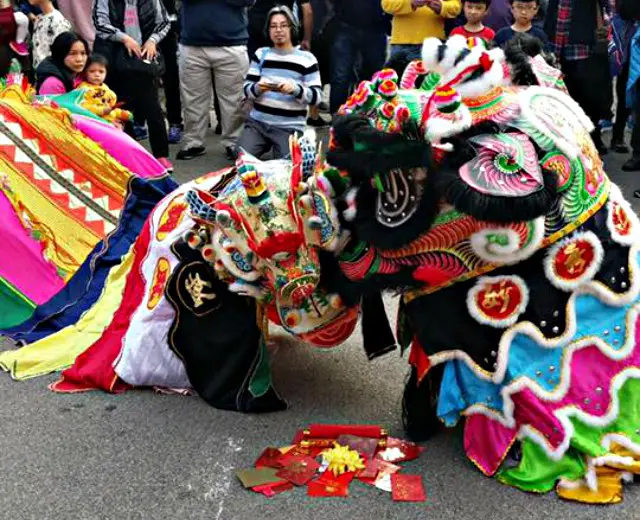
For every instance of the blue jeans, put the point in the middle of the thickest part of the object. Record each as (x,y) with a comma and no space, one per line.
(349,44)
(409,51)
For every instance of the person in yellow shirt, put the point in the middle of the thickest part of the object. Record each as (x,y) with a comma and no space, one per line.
(415,20)
(99,98)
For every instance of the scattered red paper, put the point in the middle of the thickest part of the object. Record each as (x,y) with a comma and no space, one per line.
(328,485)
(398,450)
(298,464)
(297,451)
(269,459)
(382,480)
(293,455)
(299,471)
(407,488)
(370,472)
(363,445)
(270,490)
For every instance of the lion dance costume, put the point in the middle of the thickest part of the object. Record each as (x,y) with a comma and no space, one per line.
(470,185)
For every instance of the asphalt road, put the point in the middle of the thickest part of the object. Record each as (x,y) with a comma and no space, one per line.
(143,455)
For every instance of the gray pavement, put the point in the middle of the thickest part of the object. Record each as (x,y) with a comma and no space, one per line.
(142,455)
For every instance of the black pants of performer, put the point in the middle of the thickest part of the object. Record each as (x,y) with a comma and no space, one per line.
(140,93)
(622,113)
(635,135)
(588,81)
(171,78)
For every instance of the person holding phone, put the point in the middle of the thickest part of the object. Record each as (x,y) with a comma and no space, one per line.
(283,81)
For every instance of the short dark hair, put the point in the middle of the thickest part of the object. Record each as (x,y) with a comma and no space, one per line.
(99,59)
(288,14)
(61,46)
(537,2)
(485,2)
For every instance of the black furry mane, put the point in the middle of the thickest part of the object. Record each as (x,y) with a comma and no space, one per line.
(518,52)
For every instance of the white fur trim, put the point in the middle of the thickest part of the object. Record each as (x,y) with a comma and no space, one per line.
(616,198)
(626,477)
(246,289)
(440,127)
(591,270)
(563,415)
(512,253)
(476,312)
(350,213)
(612,458)
(310,135)
(564,483)
(591,478)
(566,144)
(455,45)
(527,328)
(488,81)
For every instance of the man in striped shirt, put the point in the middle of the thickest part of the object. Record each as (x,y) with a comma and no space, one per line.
(283,81)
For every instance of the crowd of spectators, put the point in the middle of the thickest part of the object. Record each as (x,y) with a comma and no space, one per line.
(263,66)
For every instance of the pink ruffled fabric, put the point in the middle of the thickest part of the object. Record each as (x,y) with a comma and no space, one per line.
(592,375)
(121,147)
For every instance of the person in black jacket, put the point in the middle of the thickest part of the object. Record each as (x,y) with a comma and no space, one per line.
(171,77)
(629,11)
(135,28)
(359,34)
(577,46)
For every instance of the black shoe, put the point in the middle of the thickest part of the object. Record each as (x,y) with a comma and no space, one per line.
(231,152)
(317,122)
(596,135)
(619,147)
(632,165)
(190,153)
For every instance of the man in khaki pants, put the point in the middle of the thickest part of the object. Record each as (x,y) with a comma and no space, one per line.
(214,40)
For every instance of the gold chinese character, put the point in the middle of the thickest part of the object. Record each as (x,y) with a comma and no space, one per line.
(195,286)
(574,261)
(498,297)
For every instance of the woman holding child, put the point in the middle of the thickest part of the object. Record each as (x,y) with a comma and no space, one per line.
(61,72)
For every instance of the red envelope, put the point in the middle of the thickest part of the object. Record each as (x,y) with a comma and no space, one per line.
(382,479)
(363,445)
(398,450)
(269,459)
(299,471)
(370,472)
(407,488)
(329,485)
(297,452)
(270,490)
